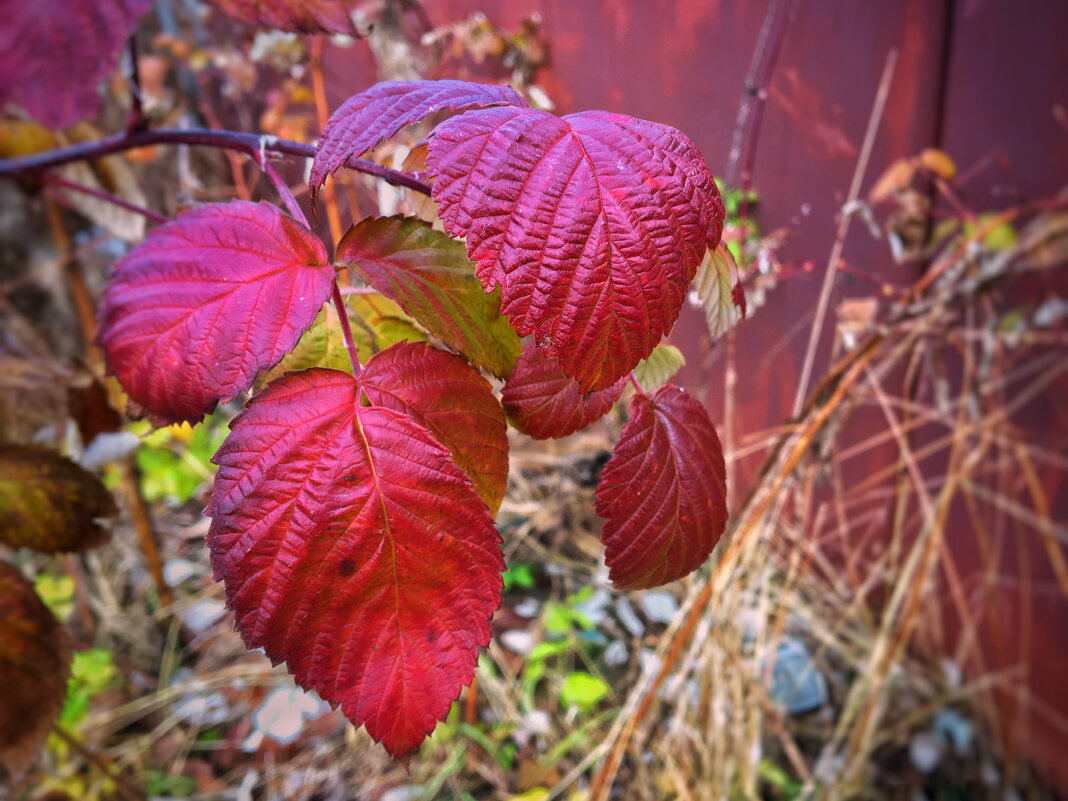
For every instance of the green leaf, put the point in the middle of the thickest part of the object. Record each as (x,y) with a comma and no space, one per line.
(1000,237)
(432,279)
(91,672)
(719,290)
(376,323)
(556,619)
(176,461)
(656,370)
(518,575)
(49,503)
(583,690)
(545,650)
(382,322)
(166,784)
(57,593)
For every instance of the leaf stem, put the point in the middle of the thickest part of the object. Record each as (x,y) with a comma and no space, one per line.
(346,330)
(56,180)
(291,204)
(248,143)
(637,386)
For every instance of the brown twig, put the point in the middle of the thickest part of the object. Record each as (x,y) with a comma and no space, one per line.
(121,785)
(748,521)
(843,228)
(147,538)
(52,179)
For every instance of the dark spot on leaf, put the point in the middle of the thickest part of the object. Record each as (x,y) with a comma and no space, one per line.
(430,635)
(347,567)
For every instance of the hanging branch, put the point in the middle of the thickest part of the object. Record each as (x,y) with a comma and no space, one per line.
(251,144)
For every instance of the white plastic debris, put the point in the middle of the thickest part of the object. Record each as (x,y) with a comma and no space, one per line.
(925,752)
(660,607)
(282,715)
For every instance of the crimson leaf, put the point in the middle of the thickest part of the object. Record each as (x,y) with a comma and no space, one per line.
(592,225)
(663,492)
(307,16)
(53,53)
(206,302)
(369,117)
(445,395)
(353,548)
(546,404)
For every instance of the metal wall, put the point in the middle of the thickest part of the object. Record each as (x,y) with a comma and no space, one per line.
(985,80)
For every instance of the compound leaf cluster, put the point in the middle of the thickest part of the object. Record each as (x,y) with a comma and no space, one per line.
(352,513)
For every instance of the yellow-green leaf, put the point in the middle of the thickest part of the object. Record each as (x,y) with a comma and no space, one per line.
(719,290)
(376,323)
(432,279)
(658,368)
(49,503)
(583,690)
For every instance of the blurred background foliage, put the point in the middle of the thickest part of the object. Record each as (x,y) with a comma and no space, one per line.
(885,619)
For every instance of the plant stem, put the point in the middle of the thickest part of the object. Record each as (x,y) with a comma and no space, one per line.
(248,143)
(137,120)
(155,216)
(346,330)
(843,228)
(283,190)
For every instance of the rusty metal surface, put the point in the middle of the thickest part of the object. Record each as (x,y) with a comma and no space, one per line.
(983,79)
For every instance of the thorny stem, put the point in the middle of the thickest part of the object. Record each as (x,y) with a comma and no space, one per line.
(346,330)
(248,143)
(155,216)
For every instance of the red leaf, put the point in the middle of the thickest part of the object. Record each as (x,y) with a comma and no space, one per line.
(206,302)
(663,492)
(355,550)
(306,16)
(367,118)
(441,392)
(593,225)
(546,404)
(53,53)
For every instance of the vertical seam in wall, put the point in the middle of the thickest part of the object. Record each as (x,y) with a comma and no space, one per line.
(945,65)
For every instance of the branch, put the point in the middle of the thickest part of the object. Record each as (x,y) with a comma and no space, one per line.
(155,216)
(248,143)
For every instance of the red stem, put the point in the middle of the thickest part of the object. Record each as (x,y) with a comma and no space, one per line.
(346,330)
(155,216)
(283,190)
(251,144)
